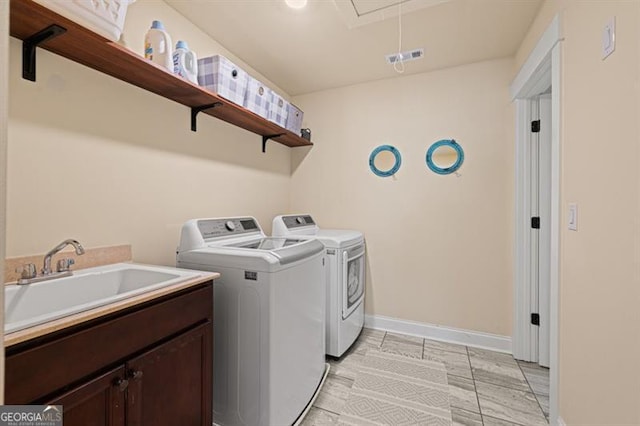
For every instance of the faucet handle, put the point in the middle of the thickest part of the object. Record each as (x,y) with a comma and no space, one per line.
(27,271)
(64,264)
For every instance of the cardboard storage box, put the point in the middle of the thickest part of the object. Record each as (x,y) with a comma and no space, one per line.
(223,77)
(258,98)
(278,110)
(294,118)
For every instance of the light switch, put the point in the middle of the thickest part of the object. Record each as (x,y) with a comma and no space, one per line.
(573,217)
(609,38)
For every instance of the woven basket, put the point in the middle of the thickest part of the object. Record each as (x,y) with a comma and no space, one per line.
(105,17)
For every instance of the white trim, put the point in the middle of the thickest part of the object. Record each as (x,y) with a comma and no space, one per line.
(541,70)
(459,336)
(536,68)
(556,223)
(561,422)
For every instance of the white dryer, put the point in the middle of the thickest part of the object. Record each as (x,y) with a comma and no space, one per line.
(345,251)
(268,315)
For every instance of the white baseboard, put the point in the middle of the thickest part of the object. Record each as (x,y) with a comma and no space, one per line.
(476,339)
(561,422)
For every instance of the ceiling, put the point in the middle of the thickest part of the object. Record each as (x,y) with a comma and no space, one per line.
(334,43)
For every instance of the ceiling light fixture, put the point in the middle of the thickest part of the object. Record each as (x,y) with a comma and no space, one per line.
(296,4)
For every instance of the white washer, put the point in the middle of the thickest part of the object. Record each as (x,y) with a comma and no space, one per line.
(345,277)
(268,315)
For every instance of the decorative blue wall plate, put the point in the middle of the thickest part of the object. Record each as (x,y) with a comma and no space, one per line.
(396,166)
(449,169)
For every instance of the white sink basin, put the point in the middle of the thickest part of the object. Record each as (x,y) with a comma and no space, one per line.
(32,304)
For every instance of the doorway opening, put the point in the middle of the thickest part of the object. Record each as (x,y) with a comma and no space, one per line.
(536,92)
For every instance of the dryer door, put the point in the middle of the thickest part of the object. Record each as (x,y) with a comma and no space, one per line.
(353,281)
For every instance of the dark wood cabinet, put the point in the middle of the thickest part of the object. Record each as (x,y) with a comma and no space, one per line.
(167,384)
(98,402)
(147,365)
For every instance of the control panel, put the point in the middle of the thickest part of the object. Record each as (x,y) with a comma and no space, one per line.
(297,221)
(213,228)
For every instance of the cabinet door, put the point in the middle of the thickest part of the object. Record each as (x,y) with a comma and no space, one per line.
(100,402)
(172,383)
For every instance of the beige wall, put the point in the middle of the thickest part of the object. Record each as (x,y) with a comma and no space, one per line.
(599,331)
(546,13)
(99,160)
(600,262)
(439,247)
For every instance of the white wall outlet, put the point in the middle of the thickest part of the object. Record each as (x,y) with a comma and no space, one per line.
(573,217)
(609,38)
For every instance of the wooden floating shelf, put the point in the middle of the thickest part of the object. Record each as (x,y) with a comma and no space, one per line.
(82,45)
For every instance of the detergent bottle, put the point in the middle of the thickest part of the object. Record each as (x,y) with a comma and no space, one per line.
(185,62)
(157,46)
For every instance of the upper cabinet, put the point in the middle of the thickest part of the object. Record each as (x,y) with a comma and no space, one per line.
(88,48)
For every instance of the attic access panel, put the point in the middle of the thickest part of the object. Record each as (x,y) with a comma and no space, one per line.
(362,12)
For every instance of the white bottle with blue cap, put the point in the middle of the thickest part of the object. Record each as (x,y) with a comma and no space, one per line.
(185,62)
(158,47)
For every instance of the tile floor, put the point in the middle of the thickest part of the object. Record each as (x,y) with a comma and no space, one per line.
(486,388)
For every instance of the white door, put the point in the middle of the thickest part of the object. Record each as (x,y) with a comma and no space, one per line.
(540,156)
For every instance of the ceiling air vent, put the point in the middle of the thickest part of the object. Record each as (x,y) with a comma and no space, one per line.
(408,55)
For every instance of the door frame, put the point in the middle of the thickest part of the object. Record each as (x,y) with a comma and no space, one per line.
(541,70)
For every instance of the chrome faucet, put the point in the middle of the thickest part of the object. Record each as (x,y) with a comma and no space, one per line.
(46,269)
(29,274)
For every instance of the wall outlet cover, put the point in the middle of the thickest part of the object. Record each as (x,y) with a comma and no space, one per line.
(609,38)
(573,217)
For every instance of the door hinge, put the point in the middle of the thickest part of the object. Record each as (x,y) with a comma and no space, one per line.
(535,222)
(535,319)
(535,126)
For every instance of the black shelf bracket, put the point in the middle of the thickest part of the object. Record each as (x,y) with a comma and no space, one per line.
(29,45)
(267,137)
(196,110)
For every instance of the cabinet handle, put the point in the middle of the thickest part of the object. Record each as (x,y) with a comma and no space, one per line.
(122,384)
(135,374)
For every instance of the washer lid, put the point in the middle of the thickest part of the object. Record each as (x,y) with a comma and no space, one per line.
(269,243)
(251,256)
(285,249)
